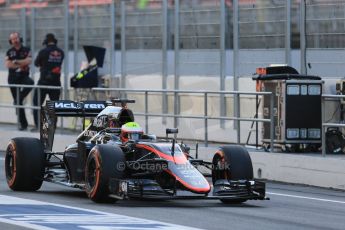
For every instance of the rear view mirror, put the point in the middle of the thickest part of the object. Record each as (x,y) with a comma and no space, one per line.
(171,130)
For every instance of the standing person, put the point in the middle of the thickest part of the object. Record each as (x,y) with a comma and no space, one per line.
(49,60)
(17,60)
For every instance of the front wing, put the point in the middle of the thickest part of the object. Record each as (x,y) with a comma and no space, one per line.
(222,189)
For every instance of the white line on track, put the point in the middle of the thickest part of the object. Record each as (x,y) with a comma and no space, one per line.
(305,197)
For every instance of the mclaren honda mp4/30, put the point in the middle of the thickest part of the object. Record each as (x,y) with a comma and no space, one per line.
(113,159)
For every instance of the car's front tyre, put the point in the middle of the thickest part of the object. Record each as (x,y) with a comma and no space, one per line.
(232,163)
(103,162)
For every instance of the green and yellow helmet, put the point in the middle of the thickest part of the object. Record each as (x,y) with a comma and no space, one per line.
(131,131)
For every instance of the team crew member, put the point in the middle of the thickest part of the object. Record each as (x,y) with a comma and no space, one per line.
(49,60)
(17,60)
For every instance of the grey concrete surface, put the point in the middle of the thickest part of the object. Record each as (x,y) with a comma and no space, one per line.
(299,168)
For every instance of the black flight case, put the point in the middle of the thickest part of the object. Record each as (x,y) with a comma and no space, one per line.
(297,108)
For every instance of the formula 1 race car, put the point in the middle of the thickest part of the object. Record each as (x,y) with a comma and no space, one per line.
(114,159)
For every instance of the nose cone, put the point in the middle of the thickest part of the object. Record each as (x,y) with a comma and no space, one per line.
(190,177)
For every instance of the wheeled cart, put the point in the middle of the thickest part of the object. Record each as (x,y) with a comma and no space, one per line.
(297,108)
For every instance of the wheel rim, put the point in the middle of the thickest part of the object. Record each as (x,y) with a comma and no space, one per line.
(220,168)
(91,173)
(10,164)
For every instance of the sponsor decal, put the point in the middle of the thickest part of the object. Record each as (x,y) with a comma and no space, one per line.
(90,133)
(55,57)
(12,53)
(94,106)
(100,122)
(74,105)
(67,105)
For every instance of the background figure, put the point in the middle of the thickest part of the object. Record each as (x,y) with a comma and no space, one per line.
(17,60)
(49,60)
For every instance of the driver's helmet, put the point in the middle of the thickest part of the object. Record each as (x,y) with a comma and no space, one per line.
(131,131)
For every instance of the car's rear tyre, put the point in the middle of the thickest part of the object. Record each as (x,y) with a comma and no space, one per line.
(104,162)
(24,164)
(232,163)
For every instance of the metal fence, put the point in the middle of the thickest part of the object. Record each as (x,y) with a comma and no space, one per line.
(176,114)
(26,105)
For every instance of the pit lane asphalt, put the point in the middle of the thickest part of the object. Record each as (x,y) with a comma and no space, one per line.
(290,207)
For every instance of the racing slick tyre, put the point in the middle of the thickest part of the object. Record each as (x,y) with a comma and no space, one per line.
(232,163)
(104,162)
(24,164)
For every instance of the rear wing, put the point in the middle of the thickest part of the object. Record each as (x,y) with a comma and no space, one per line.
(65,108)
